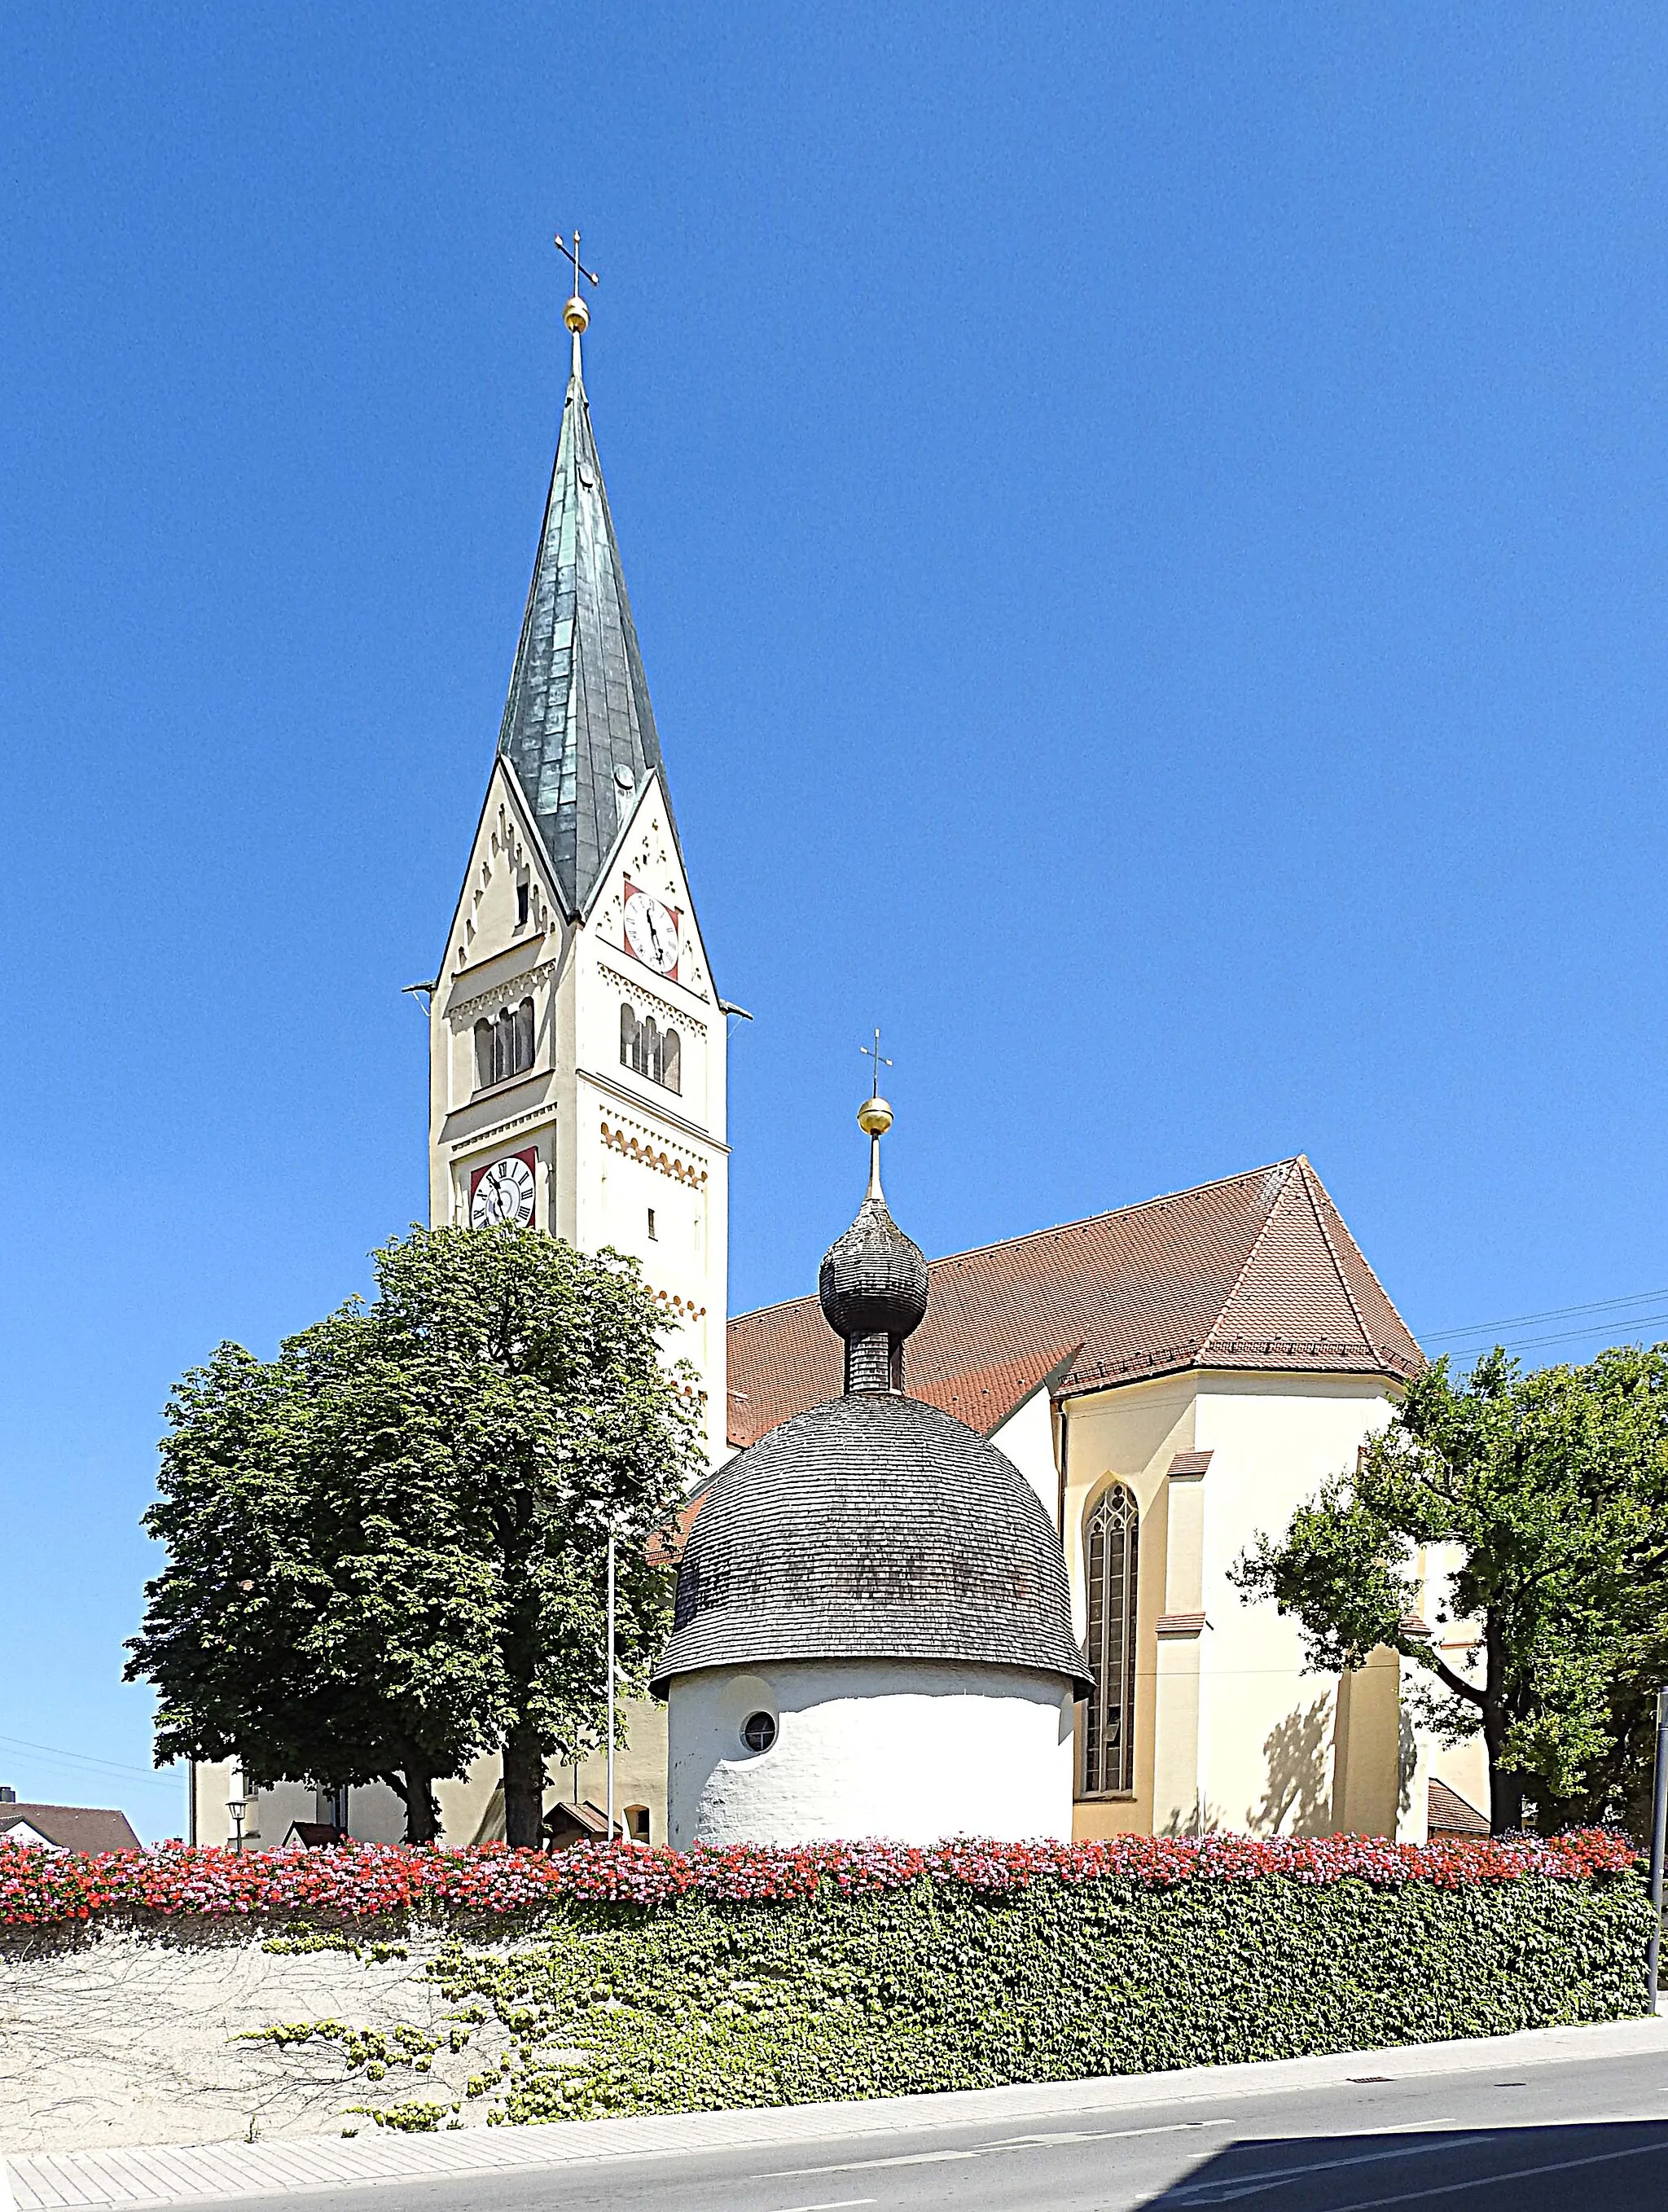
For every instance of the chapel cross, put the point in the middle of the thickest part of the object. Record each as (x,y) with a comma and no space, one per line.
(873,1051)
(582,274)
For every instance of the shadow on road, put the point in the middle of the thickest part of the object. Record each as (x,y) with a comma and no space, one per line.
(1621,2165)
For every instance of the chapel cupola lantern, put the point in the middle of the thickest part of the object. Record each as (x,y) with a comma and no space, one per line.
(872,1281)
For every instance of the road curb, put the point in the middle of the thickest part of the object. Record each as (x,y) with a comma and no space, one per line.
(42,2181)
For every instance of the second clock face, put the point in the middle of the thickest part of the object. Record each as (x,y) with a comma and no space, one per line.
(502,1193)
(651,933)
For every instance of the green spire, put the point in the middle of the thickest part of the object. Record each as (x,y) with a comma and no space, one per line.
(578,729)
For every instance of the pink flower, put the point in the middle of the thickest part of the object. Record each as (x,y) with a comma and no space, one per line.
(361,1881)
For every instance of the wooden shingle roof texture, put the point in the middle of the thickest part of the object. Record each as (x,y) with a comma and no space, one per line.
(873,1526)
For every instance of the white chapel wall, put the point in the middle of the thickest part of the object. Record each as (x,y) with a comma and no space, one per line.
(913,1750)
(1027,1438)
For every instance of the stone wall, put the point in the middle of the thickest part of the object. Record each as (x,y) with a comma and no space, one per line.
(133,2039)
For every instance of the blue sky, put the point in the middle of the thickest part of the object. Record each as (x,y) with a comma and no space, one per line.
(1150,534)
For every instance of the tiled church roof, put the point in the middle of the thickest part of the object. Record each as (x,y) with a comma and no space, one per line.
(578,706)
(1257,1271)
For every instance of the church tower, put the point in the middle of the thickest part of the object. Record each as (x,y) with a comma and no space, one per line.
(577,1046)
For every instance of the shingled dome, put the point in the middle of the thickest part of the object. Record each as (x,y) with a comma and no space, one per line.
(873,1526)
(873,1280)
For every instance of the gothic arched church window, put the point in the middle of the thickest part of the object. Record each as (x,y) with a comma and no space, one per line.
(1111,1539)
(647,1049)
(504,1047)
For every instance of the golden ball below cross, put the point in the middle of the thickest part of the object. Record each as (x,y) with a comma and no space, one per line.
(875,1117)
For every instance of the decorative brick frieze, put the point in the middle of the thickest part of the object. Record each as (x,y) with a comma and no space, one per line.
(650,1151)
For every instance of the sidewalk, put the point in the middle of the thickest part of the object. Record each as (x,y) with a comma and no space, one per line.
(39,2180)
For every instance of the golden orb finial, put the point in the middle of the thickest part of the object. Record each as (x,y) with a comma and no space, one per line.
(577,315)
(874,1117)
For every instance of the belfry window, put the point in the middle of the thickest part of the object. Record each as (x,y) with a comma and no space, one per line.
(647,1049)
(1111,1538)
(503,1046)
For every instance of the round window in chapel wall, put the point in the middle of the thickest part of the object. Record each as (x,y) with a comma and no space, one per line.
(759,1731)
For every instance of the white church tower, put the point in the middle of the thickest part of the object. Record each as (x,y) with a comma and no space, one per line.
(577,1046)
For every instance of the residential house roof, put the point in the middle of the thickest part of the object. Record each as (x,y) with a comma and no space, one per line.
(73,1827)
(1450,1815)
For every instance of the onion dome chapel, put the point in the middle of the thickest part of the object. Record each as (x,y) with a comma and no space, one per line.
(873,1632)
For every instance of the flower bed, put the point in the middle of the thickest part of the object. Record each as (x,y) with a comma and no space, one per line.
(617,1979)
(367,1882)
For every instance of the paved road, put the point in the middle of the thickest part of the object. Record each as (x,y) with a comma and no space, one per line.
(1588,2132)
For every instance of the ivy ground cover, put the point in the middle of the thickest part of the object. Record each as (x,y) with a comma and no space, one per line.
(620,1980)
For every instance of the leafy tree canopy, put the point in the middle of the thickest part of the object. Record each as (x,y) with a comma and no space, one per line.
(386,1546)
(1534,1509)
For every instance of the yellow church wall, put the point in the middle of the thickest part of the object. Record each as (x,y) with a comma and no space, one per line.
(494,957)
(639,1770)
(1267,1754)
(1464,1765)
(1368,1781)
(1129,1435)
(1230,1730)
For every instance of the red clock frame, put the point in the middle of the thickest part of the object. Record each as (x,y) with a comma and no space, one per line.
(531,1156)
(634,890)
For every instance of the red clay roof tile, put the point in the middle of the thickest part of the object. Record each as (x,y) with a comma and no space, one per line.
(1256,1271)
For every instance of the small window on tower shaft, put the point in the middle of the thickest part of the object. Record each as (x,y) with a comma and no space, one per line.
(523,893)
(651,1221)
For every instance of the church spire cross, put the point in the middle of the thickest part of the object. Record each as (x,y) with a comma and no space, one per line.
(873,1051)
(577,314)
(875,1116)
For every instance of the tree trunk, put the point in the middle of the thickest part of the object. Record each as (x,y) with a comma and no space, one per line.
(1505,1799)
(422,1812)
(524,1789)
(1505,1786)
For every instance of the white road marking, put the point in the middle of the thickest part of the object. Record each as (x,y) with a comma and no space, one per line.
(840,2205)
(1225,2189)
(985,2150)
(1518,2173)
(1229,2190)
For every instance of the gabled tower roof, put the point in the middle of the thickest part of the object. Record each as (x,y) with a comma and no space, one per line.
(578,708)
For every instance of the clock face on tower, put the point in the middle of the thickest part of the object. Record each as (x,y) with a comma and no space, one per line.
(503,1192)
(651,931)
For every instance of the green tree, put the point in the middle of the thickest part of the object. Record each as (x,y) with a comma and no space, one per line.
(1544,1496)
(387,1546)
(319,1615)
(543,1367)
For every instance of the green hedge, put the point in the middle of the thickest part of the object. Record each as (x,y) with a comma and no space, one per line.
(711,2005)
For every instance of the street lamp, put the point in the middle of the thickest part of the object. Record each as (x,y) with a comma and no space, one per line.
(612,1699)
(237,1806)
(1658,1824)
